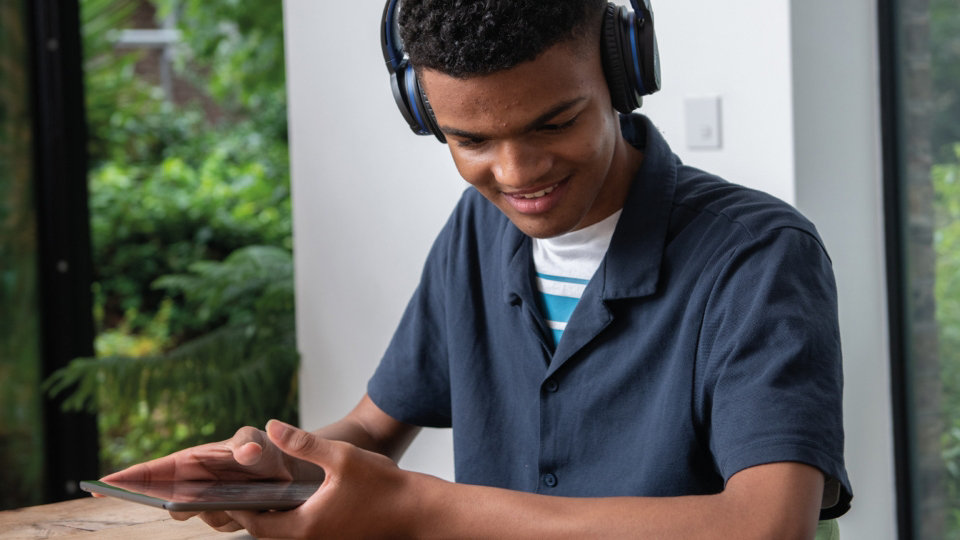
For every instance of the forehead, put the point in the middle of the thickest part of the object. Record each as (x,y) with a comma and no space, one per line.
(561,73)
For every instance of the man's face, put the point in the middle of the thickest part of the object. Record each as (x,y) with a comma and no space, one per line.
(540,140)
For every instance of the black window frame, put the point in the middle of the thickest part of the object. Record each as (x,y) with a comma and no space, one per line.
(63,233)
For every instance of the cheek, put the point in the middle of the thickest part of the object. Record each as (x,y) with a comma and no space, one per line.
(587,153)
(473,170)
(597,150)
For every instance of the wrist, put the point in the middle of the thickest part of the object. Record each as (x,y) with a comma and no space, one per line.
(424,502)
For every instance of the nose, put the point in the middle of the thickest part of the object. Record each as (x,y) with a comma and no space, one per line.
(518,164)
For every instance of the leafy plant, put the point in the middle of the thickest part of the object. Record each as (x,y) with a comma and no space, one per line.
(171,185)
(945,72)
(946,183)
(151,220)
(201,201)
(242,372)
(122,109)
(236,48)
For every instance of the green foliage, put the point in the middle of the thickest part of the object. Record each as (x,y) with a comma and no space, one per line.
(190,218)
(228,191)
(242,372)
(122,109)
(946,182)
(238,47)
(169,185)
(945,59)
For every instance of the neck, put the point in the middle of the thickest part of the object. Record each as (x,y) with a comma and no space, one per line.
(623,168)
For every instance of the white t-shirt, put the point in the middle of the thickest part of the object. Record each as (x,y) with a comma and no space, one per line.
(564,265)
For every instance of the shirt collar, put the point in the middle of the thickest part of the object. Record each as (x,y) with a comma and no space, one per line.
(631,267)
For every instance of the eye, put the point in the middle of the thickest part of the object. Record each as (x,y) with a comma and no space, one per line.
(470,143)
(553,128)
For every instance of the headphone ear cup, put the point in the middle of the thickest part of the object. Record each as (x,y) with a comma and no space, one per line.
(631,59)
(413,103)
(622,91)
(429,119)
(407,94)
(649,54)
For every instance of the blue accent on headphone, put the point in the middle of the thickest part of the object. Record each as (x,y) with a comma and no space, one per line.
(636,60)
(411,85)
(396,57)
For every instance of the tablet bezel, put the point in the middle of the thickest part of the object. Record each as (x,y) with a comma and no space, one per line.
(257,495)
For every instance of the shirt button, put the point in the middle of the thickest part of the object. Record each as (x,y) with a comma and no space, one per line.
(550,480)
(551,385)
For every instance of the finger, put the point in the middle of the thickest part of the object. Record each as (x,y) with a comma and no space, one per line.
(233,526)
(182,516)
(248,454)
(267,524)
(185,464)
(247,445)
(299,443)
(164,467)
(220,521)
(191,464)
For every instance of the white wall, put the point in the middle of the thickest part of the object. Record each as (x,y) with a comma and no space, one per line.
(797,82)
(739,51)
(838,177)
(368,198)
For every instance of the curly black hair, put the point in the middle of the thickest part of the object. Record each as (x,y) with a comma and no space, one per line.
(462,38)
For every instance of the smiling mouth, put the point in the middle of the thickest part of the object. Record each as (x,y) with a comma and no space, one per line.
(536,194)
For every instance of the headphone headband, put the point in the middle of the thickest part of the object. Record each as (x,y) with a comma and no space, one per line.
(393,53)
(631,63)
(407,93)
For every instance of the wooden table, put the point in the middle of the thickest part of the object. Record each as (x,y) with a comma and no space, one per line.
(102,518)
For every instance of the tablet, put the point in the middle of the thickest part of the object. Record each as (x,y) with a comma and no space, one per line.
(198,496)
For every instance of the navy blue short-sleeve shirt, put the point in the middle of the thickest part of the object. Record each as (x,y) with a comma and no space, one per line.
(707,342)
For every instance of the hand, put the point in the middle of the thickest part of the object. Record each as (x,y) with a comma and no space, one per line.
(248,455)
(364,494)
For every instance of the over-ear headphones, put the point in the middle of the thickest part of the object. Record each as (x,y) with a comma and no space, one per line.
(631,58)
(631,63)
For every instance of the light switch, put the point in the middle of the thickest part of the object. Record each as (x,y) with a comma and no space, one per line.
(703,122)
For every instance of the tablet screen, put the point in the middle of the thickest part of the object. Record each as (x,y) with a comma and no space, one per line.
(190,496)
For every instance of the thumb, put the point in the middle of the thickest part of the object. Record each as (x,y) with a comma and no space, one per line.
(298,443)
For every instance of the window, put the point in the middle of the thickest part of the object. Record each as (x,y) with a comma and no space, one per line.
(190,219)
(921,94)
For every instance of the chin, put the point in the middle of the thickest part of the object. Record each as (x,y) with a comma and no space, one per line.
(543,230)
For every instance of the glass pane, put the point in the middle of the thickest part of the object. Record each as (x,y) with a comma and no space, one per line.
(929,119)
(21,432)
(188,164)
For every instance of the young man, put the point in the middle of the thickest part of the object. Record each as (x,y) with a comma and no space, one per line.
(624,346)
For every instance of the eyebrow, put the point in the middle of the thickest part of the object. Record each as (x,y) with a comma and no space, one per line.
(537,122)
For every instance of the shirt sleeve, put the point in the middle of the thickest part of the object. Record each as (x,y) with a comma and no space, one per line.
(770,353)
(412,382)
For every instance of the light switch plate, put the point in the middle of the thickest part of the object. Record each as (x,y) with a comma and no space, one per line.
(703,123)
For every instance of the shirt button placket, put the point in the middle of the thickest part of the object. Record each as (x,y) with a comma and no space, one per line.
(550,480)
(550,386)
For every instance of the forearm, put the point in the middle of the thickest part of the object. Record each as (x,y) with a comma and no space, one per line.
(366,427)
(350,430)
(455,510)
(367,495)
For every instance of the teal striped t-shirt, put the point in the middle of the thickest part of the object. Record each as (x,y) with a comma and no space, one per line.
(564,265)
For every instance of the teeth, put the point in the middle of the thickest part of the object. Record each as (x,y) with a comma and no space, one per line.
(540,193)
